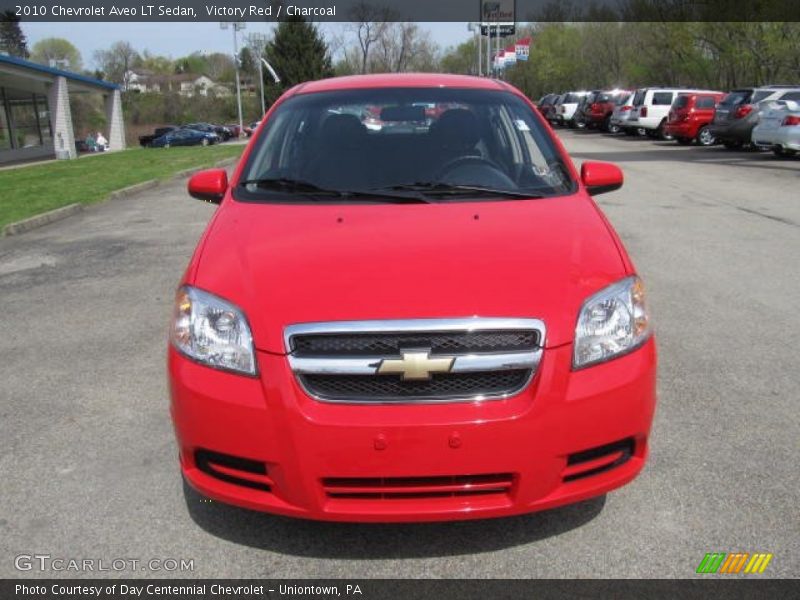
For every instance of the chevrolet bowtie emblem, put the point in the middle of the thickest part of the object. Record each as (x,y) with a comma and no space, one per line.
(416,365)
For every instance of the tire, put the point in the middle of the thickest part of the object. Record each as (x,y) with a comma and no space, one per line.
(166,145)
(641,131)
(732,145)
(705,137)
(609,126)
(783,152)
(683,141)
(205,142)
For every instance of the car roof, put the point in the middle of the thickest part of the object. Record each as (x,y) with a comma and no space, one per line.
(389,80)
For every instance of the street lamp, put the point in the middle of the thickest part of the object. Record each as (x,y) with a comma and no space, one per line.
(476,28)
(257,42)
(237,26)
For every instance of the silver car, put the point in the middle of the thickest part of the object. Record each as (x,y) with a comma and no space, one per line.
(779,126)
(620,116)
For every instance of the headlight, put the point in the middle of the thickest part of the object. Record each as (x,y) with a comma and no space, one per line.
(212,331)
(612,322)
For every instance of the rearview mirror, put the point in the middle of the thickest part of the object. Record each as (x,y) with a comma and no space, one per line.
(209,185)
(601,177)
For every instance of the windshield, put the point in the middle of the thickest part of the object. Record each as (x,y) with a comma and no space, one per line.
(370,140)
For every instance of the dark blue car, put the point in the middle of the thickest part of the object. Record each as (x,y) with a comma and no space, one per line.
(185,137)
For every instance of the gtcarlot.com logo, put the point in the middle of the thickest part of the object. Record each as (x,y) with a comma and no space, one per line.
(730,563)
(46,562)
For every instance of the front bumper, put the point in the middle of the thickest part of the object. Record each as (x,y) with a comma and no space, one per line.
(303,443)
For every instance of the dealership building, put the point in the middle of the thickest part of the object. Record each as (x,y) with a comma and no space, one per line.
(35,115)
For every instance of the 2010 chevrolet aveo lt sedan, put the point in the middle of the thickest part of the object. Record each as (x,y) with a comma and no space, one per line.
(408,307)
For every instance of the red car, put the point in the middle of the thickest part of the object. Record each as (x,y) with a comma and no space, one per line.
(427,325)
(600,110)
(690,117)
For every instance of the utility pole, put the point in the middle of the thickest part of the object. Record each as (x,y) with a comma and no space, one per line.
(237,26)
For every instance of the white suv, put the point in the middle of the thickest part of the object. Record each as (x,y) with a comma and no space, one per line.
(568,106)
(651,108)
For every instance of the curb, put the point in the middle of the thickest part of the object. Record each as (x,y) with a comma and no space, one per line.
(67,211)
(42,219)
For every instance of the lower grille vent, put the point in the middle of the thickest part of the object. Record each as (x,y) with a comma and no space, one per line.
(399,488)
(233,469)
(598,460)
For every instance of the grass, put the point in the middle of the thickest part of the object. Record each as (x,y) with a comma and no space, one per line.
(28,191)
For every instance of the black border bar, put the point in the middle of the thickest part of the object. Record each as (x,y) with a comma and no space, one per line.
(399,10)
(728,587)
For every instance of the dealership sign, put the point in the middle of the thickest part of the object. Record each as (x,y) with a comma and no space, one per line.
(498,14)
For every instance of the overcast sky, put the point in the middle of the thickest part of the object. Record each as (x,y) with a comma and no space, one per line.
(179,39)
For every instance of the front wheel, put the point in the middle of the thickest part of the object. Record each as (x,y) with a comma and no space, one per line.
(611,127)
(705,137)
(205,142)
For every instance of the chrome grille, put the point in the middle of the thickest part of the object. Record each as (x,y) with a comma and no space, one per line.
(388,361)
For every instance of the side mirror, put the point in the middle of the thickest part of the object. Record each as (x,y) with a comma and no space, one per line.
(601,177)
(209,185)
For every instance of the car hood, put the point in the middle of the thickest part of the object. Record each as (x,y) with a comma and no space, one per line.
(285,264)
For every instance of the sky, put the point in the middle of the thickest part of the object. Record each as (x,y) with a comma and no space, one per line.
(179,39)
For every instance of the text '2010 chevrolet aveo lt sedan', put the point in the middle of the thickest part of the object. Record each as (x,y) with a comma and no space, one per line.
(408,307)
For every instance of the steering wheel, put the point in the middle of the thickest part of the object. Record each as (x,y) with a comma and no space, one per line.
(460,161)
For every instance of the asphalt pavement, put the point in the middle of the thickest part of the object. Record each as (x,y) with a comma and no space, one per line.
(88,467)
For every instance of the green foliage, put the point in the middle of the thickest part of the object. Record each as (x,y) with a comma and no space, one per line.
(12,41)
(59,49)
(298,53)
(713,55)
(462,59)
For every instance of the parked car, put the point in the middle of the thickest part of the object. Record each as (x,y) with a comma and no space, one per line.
(690,117)
(737,114)
(779,126)
(554,115)
(185,137)
(146,140)
(651,108)
(386,398)
(546,105)
(251,129)
(568,106)
(621,115)
(601,108)
(581,118)
(223,133)
(236,131)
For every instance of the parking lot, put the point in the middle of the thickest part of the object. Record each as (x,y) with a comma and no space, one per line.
(89,467)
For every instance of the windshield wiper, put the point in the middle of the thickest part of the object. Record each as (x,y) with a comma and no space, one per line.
(311,189)
(447,189)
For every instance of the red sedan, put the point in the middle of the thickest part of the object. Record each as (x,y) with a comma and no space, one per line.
(432,321)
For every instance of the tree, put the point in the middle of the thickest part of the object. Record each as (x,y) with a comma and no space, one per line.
(117,62)
(298,53)
(57,49)
(12,40)
(463,59)
(369,23)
